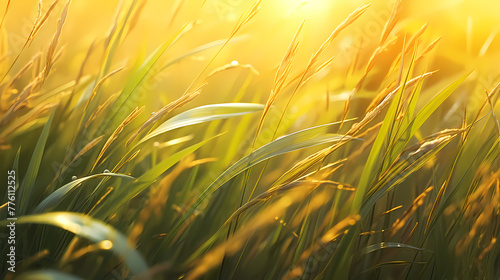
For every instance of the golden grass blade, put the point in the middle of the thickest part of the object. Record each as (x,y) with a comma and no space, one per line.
(31,34)
(417,202)
(370,115)
(33,115)
(232,65)
(343,25)
(314,58)
(22,99)
(244,20)
(215,256)
(99,84)
(429,48)
(414,39)
(40,20)
(277,190)
(159,195)
(329,237)
(124,161)
(136,112)
(135,17)
(53,44)
(112,29)
(391,22)
(281,76)
(25,68)
(372,61)
(181,101)
(94,230)
(5,13)
(83,151)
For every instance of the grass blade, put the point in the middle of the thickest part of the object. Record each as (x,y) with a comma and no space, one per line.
(285,144)
(204,114)
(384,245)
(372,166)
(27,186)
(57,196)
(48,274)
(144,181)
(95,230)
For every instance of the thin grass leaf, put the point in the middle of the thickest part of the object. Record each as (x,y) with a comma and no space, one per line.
(431,107)
(51,53)
(186,98)
(143,182)
(398,173)
(372,166)
(94,230)
(15,165)
(47,274)
(204,114)
(201,48)
(114,38)
(57,196)
(5,13)
(142,73)
(281,76)
(99,84)
(298,140)
(28,184)
(134,114)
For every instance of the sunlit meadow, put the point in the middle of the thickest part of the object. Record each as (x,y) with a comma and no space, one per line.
(238,139)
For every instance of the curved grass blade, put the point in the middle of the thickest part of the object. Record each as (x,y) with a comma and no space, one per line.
(298,140)
(144,181)
(57,196)
(402,170)
(384,245)
(433,105)
(48,274)
(204,114)
(95,230)
(410,129)
(199,49)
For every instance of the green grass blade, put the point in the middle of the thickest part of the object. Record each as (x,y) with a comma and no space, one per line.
(144,181)
(142,73)
(285,144)
(94,230)
(432,106)
(372,166)
(204,114)
(28,184)
(384,245)
(403,135)
(57,196)
(116,38)
(48,274)
(15,166)
(398,174)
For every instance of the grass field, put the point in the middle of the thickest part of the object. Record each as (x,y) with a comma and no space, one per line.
(231,139)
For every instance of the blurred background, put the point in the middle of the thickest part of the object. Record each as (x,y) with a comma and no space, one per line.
(468,32)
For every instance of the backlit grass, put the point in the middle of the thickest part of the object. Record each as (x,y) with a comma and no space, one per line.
(264,139)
